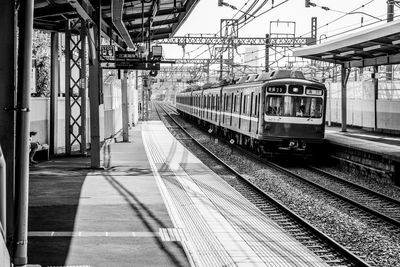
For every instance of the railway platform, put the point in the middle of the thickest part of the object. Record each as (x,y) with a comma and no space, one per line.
(380,143)
(379,152)
(155,205)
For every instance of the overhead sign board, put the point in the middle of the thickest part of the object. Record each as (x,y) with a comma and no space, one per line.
(107,52)
(130,65)
(120,55)
(107,65)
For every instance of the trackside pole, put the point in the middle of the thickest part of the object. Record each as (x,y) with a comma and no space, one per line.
(25,23)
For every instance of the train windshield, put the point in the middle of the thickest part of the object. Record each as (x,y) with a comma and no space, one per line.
(294,106)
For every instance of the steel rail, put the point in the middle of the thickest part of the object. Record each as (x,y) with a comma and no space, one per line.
(373,192)
(339,196)
(341,249)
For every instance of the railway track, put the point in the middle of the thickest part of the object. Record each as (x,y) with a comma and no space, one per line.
(382,206)
(372,206)
(322,245)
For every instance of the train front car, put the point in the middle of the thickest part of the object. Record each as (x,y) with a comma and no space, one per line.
(294,115)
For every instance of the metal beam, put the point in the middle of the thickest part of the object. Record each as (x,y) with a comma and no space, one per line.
(155,23)
(162,12)
(292,42)
(189,6)
(53,10)
(154,35)
(84,8)
(117,7)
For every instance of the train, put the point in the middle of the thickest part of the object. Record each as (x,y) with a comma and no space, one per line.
(271,112)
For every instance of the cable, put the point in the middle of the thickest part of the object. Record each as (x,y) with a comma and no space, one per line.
(338,18)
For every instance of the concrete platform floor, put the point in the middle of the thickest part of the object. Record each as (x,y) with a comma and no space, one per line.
(115,217)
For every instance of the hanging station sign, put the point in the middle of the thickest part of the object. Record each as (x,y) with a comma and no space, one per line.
(128,60)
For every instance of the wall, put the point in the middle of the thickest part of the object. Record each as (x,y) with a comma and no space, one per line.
(110,114)
(40,121)
(360,104)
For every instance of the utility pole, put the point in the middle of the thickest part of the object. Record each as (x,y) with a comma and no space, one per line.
(267,52)
(390,16)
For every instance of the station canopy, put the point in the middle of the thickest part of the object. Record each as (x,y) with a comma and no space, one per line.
(372,47)
(127,22)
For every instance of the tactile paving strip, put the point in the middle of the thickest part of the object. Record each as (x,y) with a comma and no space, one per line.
(222,227)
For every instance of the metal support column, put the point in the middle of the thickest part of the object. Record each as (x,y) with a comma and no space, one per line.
(75,86)
(376,83)
(7,104)
(267,41)
(95,80)
(345,78)
(54,89)
(25,28)
(125,107)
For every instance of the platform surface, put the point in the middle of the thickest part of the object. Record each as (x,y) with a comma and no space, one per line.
(155,205)
(115,217)
(218,226)
(378,143)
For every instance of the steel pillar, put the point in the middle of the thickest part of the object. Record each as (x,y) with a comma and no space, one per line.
(75,86)
(25,28)
(345,78)
(95,80)
(125,107)
(7,104)
(54,90)
(376,83)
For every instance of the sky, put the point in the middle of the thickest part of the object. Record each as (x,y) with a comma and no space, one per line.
(205,19)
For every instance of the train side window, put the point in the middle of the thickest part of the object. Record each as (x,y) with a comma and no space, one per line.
(274,105)
(251,103)
(224,103)
(244,104)
(238,108)
(233,103)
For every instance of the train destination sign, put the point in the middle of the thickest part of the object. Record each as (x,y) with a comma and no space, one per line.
(125,60)
(131,65)
(123,55)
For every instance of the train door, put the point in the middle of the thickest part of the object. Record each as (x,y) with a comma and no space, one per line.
(241,106)
(216,107)
(251,113)
(223,109)
(233,104)
(260,105)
